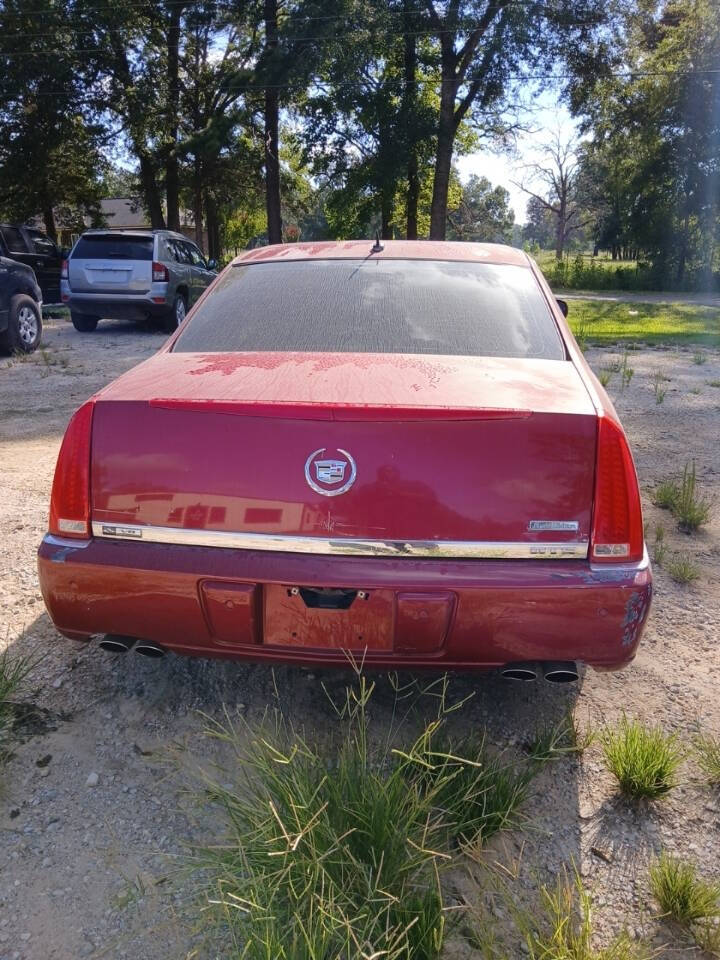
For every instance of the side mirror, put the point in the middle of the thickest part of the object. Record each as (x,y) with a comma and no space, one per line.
(563,306)
(212,264)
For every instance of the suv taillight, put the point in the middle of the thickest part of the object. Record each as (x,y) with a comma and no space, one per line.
(160,273)
(617,530)
(70,500)
(64,270)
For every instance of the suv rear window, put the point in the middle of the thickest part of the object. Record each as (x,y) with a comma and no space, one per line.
(376,306)
(106,246)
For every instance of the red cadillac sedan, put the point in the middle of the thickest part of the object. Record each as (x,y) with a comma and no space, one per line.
(396,451)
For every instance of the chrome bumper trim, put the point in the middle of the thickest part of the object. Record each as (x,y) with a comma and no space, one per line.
(450,549)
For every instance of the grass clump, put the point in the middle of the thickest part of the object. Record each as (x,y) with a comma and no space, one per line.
(556,740)
(567,930)
(558,927)
(683,499)
(682,568)
(658,379)
(13,671)
(660,546)
(684,897)
(337,852)
(644,760)
(699,358)
(707,753)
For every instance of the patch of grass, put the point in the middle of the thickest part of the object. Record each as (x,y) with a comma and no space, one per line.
(660,546)
(707,753)
(691,510)
(337,850)
(666,493)
(699,358)
(605,376)
(682,568)
(652,323)
(644,760)
(626,371)
(555,740)
(559,927)
(684,897)
(581,337)
(683,499)
(713,383)
(566,930)
(13,671)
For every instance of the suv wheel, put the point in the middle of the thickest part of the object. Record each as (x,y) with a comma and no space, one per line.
(176,314)
(24,325)
(84,322)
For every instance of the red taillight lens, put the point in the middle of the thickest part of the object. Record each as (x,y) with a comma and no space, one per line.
(160,273)
(70,500)
(617,532)
(64,270)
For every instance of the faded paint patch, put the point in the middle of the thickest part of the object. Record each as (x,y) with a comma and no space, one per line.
(636,611)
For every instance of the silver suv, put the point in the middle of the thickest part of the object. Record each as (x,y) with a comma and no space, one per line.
(133,275)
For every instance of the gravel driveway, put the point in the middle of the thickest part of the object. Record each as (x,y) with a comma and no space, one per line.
(90,838)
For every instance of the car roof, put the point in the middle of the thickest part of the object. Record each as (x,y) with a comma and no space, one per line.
(391,250)
(133,232)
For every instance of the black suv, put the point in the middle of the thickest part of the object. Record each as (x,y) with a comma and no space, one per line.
(34,248)
(20,308)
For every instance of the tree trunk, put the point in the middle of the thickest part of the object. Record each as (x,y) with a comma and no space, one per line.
(213,227)
(151,192)
(560,231)
(197,202)
(172,174)
(272,111)
(48,215)
(443,162)
(386,210)
(413,179)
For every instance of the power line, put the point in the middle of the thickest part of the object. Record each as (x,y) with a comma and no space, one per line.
(528,77)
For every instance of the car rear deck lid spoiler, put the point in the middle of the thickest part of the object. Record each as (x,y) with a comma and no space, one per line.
(337,411)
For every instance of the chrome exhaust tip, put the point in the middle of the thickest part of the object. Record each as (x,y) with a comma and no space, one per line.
(560,671)
(149,649)
(526,672)
(116,643)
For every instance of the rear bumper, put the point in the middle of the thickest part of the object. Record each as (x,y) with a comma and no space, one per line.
(122,307)
(208,601)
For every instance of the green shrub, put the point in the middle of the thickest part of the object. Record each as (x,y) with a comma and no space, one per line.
(707,750)
(683,896)
(691,510)
(644,760)
(682,568)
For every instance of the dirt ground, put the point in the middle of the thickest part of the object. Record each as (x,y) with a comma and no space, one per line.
(92,839)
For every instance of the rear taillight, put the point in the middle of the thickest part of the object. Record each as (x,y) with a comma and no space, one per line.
(617,531)
(160,273)
(64,270)
(70,500)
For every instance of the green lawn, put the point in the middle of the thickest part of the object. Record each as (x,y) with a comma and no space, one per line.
(601,322)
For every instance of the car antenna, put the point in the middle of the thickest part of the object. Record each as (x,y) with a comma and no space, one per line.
(377,247)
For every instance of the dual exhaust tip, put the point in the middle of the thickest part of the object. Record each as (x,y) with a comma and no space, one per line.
(116,643)
(554,671)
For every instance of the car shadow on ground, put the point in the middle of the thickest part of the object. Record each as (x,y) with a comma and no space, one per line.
(117,714)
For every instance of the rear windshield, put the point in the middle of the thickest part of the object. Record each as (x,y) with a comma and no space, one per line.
(106,246)
(376,306)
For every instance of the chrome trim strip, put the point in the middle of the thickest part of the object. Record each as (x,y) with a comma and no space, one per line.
(457,549)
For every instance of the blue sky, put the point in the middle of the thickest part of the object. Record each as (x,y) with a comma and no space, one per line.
(502,168)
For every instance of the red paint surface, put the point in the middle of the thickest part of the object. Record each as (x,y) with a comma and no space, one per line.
(505,610)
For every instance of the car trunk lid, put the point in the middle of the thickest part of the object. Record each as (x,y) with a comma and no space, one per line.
(111,263)
(351,447)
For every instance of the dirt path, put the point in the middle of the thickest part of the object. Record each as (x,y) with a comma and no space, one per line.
(94,870)
(623,296)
